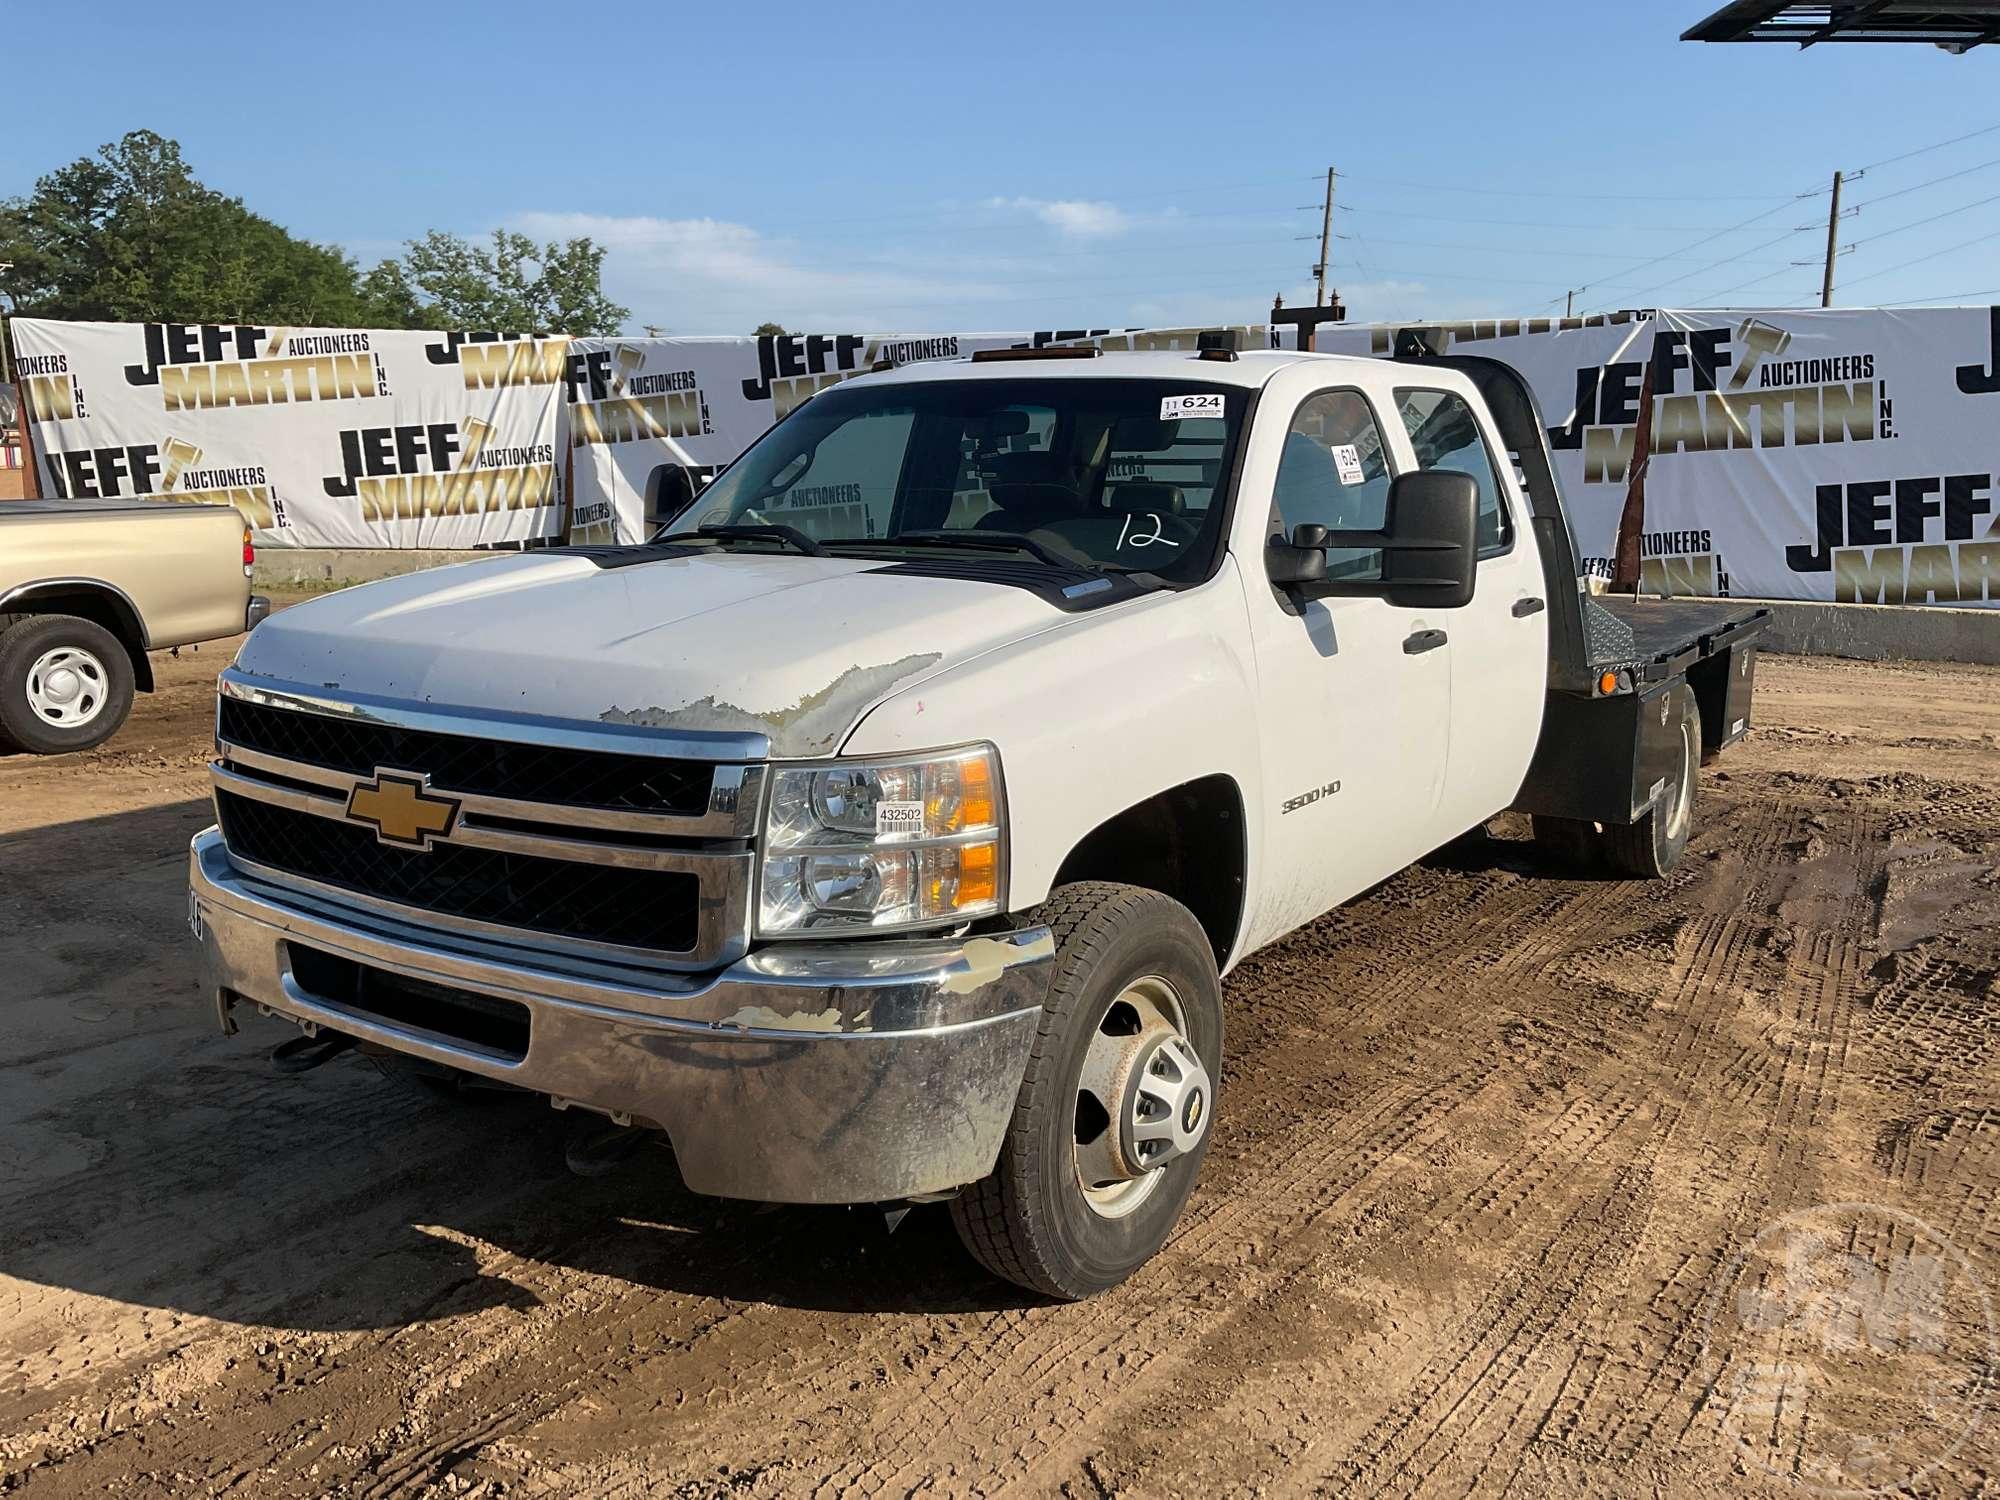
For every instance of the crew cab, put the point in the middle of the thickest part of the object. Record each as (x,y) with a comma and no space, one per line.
(88,588)
(880,830)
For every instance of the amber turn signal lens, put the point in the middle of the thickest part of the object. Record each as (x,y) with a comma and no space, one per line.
(1608,683)
(975,783)
(978,874)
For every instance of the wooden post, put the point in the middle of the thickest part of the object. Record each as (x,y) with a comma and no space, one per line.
(32,483)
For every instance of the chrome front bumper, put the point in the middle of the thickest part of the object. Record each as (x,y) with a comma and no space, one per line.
(852,1072)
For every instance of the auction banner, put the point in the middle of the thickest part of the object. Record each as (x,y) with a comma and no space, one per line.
(1834,455)
(319,437)
(636,404)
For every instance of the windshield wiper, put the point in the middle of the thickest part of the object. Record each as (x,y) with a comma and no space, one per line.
(987,541)
(789,536)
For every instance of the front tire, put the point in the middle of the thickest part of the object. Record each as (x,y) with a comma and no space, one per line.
(1112,1121)
(65,684)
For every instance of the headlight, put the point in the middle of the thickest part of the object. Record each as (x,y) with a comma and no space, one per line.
(881,844)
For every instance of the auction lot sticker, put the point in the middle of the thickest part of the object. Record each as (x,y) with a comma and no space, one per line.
(1849,1348)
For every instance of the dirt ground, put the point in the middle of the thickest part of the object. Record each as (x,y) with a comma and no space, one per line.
(1489,1138)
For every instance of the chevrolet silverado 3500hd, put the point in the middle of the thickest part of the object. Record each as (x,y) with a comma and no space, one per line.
(880,830)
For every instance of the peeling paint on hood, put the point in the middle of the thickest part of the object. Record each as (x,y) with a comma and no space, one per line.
(816,724)
(797,649)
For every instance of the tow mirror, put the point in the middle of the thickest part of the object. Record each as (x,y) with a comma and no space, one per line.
(1300,561)
(669,491)
(1432,543)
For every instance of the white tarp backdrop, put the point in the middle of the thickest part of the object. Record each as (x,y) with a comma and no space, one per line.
(1840,455)
(1835,455)
(320,437)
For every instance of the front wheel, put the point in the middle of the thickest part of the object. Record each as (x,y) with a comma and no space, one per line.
(1112,1120)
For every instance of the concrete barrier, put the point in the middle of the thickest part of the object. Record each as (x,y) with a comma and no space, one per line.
(1882,632)
(314,568)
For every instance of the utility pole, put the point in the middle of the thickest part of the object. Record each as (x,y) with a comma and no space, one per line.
(1569,303)
(1325,237)
(1832,229)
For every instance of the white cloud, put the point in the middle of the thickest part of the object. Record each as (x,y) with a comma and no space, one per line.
(1075,218)
(700,276)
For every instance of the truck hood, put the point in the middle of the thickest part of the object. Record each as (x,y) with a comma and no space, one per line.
(793,648)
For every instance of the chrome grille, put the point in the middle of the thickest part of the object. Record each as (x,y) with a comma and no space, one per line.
(564,836)
(496,768)
(597,903)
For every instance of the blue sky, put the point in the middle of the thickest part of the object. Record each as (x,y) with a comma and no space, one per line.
(1031,165)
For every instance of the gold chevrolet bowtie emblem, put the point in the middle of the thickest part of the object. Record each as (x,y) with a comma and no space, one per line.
(401,808)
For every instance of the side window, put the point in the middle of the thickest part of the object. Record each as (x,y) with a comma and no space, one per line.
(1334,473)
(1446,436)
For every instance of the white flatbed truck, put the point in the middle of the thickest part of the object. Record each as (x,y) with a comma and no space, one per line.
(881,830)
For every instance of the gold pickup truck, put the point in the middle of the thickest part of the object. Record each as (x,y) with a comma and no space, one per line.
(87,589)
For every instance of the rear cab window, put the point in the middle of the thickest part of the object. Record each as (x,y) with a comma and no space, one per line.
(1446,435)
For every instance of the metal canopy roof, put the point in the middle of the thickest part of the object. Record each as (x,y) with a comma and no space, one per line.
(1956,28)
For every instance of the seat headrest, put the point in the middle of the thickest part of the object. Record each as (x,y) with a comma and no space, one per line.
(1142,435)
(1033,467)
(1022,506)
(1146,494)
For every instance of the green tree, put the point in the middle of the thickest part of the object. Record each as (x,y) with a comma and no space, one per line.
(131,235)
(516,286)
(768,330)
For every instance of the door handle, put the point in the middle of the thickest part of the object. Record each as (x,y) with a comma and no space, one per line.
(1528,606)
(1420,641)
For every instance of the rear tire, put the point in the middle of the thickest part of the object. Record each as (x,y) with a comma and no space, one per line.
(1652,846)
(1134,980)
(1574,843)
(65,684)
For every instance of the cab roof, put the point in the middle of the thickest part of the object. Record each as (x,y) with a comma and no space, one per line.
(1251,368)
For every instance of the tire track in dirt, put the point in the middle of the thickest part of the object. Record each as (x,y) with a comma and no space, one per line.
(1488,1134)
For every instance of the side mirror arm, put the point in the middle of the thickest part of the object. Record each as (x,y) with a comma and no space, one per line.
(1299,562)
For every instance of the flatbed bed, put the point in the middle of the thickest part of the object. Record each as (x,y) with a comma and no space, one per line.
(1658,637)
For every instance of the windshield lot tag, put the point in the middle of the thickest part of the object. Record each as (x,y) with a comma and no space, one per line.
(1348,462)
(1207,404)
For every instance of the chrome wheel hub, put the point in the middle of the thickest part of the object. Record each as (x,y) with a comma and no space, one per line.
(1683,791)
(67,687)
(1143,1098)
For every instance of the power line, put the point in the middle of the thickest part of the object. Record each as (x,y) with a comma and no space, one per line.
(1919,223)
(1541,250)
(1196,191)
(970,293)
(1395,213)
(1985,291)
(1933,182)
(1921,150)
(1730,260)
(1919,260)
(1274,212)
(1744,224)
(1510,192)
(1708,299)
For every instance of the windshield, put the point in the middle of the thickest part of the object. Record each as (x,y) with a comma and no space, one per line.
(1114,475)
